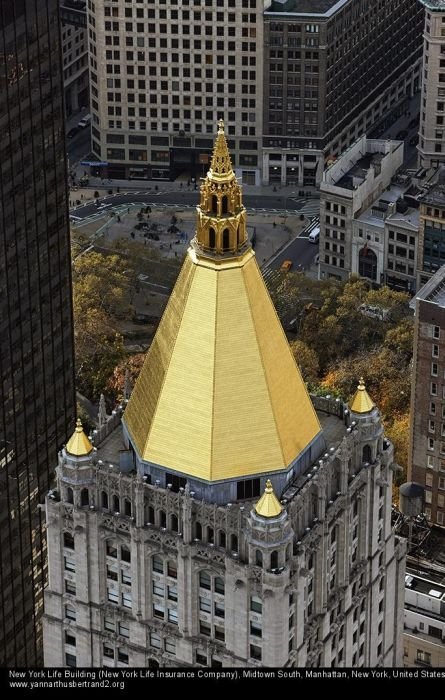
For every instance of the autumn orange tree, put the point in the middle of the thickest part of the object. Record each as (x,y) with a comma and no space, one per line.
(102,293)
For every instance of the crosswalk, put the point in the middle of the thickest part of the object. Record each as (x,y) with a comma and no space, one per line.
(310,208)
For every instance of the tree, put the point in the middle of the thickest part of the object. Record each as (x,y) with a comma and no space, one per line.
(307,360)
(102,286)
(115,384)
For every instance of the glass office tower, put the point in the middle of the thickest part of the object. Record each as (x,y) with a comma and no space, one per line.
(37,396)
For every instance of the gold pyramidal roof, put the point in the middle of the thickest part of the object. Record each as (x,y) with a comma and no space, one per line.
(361,402)
(219,395)
(268,506)
(78,444)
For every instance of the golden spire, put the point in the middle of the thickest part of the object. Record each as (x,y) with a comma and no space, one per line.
(268,506)
(219,395)
(221,164)
(361,402)
(221,224)
(78,444)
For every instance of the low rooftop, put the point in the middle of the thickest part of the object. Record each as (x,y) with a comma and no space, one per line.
(435,195)
(358,171)
(433,290)
(306,7)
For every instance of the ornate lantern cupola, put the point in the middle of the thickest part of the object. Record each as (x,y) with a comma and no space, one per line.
(221,225)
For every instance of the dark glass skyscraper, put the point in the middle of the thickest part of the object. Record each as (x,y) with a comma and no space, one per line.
(37,397)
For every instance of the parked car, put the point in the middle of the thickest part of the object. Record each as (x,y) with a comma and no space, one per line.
(85,121)
(72,132)
(286,265)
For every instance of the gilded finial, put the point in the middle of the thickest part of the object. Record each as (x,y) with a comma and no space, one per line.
(78,444)
(220,126)
(361,401)
(268,506)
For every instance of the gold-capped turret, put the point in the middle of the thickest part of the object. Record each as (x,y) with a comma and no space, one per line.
(78,444)
(268,506)
(361,402)
(221,225)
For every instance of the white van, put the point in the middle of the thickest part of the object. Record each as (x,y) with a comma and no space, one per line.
(314,235)
(85,121)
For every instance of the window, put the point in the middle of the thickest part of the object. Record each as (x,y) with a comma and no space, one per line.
(434,369)
(205,605)
(170,646)
(256,604)
(172,569)
(155,640)
(204,629)
(111,550)
(70,660)
(256,629)
(248,488)
(173,616)
(255,652)
(158,589)
(109,624)
(219,586)
(70,588)
(122,656)
(126,599)
(204,580)
(68,540)
(431,443)
(423,656)
(436,332)
(158,565)
(70,639)
(125,554)
(69,564)
(70,613)
(113,596)
(108,651)
(158,611)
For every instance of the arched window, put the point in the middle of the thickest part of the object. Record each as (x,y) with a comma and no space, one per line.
(211,237)
(237,236)
(234,543)
(116,504)
(104,500)
(152,663)
(69,495)
(125,553)
(218,584)
(258,558)
(222,539)
(174,523)
(367,263)
(367,456)
(215,204)
(162,519)
(224,205)
(210,535)
(84,497)
(149,515)
(205,580)
(198,531)
(274,560)
(226,239)
(127,507)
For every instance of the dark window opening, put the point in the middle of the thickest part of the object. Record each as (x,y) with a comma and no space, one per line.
(248,489)
(116,504)
(215,204)
(104,500)
(211,237)
(162,519)
(177,482)
(84,497)
(224,205)
(226,239)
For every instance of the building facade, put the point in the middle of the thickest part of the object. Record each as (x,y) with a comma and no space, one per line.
(332,72)
(295,82)
(426,460)
(167,543)
(385,239)
(75,55)
(169,73)
(431,133)
(424,624)
(348,188)
(431,229)
(37,399)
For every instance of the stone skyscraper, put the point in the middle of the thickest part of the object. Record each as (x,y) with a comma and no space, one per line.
(167,543)
(37,400)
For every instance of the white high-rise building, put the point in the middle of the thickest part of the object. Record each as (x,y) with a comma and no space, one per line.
(168,544)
